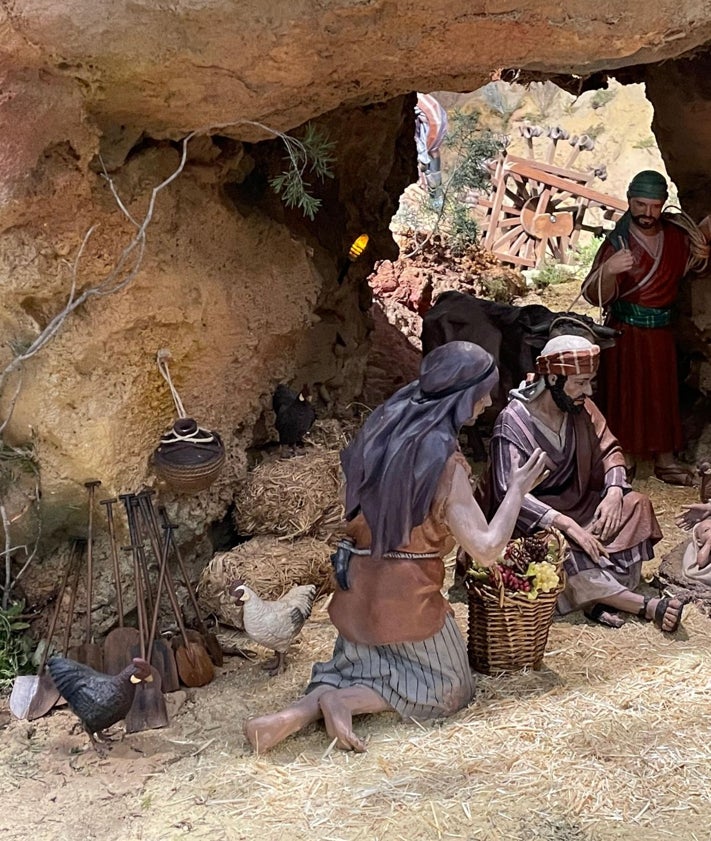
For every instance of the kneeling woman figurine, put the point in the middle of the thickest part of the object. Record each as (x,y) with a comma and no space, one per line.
(408,500)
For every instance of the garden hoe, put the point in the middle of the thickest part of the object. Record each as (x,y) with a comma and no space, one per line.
(209,640)
(194,664)
(162,656)
(214,649)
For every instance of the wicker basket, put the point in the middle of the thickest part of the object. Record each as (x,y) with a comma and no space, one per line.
(509,631)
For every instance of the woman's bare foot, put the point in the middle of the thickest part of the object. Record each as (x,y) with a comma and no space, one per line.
(338,707)
(338,719)
(266,731)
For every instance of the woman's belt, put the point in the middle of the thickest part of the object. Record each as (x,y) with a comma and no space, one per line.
(341,559)
(638,316)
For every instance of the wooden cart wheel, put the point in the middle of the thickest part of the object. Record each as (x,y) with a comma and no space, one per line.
(536,208)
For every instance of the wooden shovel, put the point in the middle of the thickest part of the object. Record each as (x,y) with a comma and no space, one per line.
(148,711)
(119,641)
(214,649)
(194,664)
(34,695)
(89,652)
(162,656)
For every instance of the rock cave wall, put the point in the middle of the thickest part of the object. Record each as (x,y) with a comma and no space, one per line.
(241,290)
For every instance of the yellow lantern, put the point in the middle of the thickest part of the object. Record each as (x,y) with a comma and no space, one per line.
(358,247)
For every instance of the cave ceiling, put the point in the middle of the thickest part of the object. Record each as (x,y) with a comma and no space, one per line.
(244,292)
(173,67)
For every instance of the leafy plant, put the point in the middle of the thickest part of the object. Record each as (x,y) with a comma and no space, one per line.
(585,254)
(471,148)
(14,462)
(602,97)
(649,143)
(15,646)
(595,131)
(449,210)
(550,273)
(544,96)
(312,154)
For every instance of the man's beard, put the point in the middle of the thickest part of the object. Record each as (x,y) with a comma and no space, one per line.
(647,223)
(561,399)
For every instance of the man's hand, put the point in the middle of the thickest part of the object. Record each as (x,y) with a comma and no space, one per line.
(621,261)
(527,476)
(590,544)
(608,516)
(690,515)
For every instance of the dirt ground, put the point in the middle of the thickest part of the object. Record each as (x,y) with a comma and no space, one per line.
(610,740)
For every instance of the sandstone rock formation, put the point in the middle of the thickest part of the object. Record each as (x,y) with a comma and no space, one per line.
(241,290)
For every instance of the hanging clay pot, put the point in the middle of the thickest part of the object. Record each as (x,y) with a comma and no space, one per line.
(189,457)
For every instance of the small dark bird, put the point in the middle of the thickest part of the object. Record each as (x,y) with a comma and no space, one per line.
(98,700)
(294,415)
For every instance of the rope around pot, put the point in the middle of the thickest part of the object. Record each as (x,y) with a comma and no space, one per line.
(189,457)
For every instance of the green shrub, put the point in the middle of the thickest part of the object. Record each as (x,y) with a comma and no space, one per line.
(15,646)
(447,209)
(602,97)
(585,254)
(649,143)
(595,131)
(551,273)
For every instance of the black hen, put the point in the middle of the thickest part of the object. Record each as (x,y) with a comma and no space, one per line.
(294,415)
(97,699)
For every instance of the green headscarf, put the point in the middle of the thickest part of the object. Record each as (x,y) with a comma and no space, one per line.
(648,184)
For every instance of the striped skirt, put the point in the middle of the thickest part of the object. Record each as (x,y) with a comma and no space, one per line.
(428,679)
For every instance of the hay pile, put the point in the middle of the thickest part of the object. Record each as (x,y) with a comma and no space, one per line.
(269,566)
(292,497)
(332,434)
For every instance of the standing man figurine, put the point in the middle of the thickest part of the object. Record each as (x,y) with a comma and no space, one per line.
(635,277)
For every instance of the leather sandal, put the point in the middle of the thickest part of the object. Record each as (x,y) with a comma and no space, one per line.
(675,474)
(660,611)
(603,615)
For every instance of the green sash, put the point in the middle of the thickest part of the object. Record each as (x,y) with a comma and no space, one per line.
(639,316)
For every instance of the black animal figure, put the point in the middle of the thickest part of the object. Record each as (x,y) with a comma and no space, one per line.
(294,415)
(98,700)
(513,335)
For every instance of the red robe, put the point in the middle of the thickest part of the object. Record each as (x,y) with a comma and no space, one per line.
(638,390)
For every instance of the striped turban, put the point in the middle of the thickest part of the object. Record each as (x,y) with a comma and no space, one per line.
(568,355)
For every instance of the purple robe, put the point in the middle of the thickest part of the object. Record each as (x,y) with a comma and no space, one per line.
(587,463)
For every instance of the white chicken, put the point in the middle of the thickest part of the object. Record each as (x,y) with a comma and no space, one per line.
(274,624)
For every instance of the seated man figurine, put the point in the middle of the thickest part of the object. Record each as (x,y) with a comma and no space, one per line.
(610,528)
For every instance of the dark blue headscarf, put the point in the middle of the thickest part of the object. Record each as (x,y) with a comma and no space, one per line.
(394,464)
